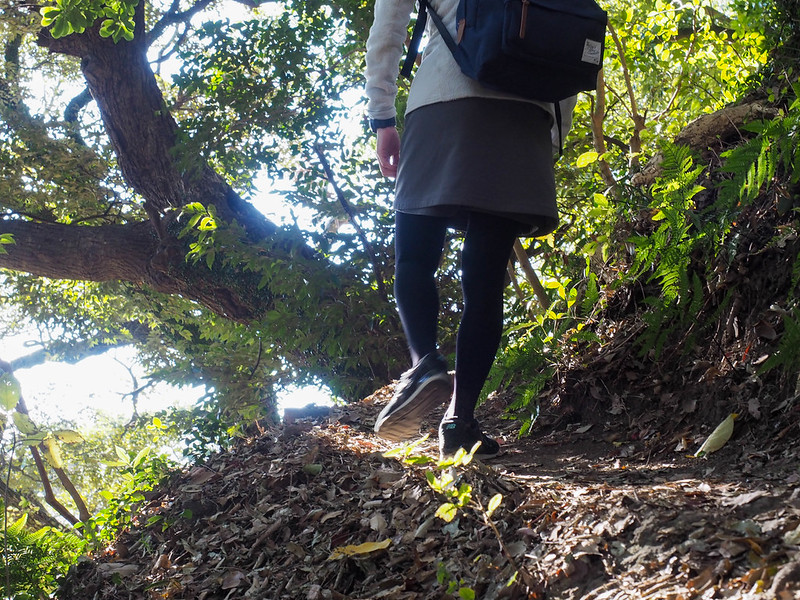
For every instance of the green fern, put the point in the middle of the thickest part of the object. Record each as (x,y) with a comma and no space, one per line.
(753,165)
(787,355)
(34,559)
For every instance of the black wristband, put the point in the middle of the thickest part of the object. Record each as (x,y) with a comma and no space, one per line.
(375,124)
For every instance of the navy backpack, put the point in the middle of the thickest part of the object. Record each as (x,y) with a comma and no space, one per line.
(544,50)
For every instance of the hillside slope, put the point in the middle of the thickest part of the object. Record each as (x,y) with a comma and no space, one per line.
(604,499)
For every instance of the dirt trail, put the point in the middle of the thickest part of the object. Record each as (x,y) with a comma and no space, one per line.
(583,516)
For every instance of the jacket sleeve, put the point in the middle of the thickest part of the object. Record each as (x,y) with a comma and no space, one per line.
(384,49)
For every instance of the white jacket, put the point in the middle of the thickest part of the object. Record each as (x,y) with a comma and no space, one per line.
(438,78)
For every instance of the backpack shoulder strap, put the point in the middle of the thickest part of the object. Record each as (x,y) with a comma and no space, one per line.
(419,28)
(416,36)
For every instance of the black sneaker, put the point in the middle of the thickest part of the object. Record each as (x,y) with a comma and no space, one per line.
(455,433)
(421,389)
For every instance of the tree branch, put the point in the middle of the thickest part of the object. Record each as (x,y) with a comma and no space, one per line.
(636,117)
(351,213)
(598,137)
(72,112)
(530,275)
(174,17)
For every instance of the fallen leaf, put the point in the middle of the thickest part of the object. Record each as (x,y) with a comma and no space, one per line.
(312,468)
(765,331)
(331,515)
(233,579)
(718,437)
(356,549)
(162,563)
(120,569)
(200,475)
(378,523)
(754,408)
(792,538)
(422,530)
(689,404)
(742,499)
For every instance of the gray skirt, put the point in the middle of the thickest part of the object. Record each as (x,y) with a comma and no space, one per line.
(479,155)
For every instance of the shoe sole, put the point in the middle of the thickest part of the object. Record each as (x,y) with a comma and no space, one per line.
(403,423)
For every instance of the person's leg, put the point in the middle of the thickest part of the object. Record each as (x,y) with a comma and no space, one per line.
(419,242)
(488,244)
(426,386)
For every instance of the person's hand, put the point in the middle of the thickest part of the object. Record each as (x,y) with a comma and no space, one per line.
(388,147)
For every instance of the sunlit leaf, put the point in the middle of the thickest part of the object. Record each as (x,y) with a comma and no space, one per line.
(447,511)
(52,452)
(585,159)
(494,503)
(23,423)
(10,391)
(122,454)
(357,549)
(68,436)
(718,437)
(140,456)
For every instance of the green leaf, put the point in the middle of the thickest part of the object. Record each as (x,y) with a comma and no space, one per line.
(10,391)
(447,511)
(34,439)
(123,454)
(585,159)
(24,423)
(312,468)
(419,460)
(61,27)
(494,503)
(140,456)
(466,593)
(52,452)
(17,526)
(49,14)
(68,436)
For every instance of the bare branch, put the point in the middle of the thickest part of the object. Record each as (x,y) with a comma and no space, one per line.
(173,17)
(72,112)
(530,275)
(636,116)
(598,137)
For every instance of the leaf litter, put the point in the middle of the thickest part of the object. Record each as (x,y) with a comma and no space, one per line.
(574,521)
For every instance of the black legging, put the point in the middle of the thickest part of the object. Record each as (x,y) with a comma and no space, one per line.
(488,242)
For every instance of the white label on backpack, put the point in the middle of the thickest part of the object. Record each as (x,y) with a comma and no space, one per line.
(592,52)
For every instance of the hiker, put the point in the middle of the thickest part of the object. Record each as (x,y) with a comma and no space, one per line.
(472,159)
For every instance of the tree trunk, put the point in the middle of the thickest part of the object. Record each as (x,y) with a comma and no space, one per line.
(144,137)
